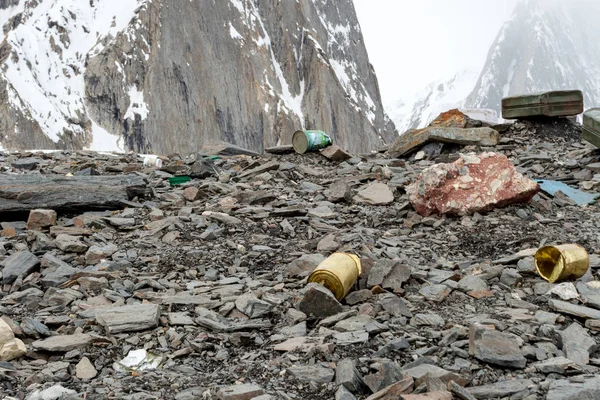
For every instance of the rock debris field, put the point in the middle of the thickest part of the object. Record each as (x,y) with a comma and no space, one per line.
(116,285)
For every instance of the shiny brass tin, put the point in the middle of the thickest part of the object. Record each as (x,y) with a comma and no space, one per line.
(557,263)
(338,273)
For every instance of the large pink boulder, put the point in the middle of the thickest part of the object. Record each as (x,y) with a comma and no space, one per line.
(473,183)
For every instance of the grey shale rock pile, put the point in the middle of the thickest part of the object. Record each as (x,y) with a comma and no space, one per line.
(209,278)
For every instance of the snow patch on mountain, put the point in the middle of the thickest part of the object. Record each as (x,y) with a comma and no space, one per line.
(44,74)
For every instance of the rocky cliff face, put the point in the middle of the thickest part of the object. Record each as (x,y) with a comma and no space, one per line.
(546,45)
(168,76)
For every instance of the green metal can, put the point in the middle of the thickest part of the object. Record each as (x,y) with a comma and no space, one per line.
(305,141)
(179,180)
(560,103)
(591,126)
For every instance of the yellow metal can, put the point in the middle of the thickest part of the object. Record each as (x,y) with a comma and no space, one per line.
(557,263)
(338,273)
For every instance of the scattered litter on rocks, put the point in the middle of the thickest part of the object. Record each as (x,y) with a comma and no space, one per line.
(200,290)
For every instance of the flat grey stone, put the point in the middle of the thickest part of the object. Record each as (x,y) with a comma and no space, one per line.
(544,317)
(59,276)
(563,389)
(180,318)
(304,265)
(577,343)
(339,191)
(420,371)
(344,394)
(435,293)
(131,318)
(494,347)
(312,373)
(85,370)
(429,319)
(319,302)
(253,307)
(21,263)
(573,309)
(556,365)
(590,293)
(348,338)
(502,389)
(395,306)
(389,274)
(394,345)
(359,296)
(240,392)
(388,373)
(472,283)
(511,277)
(357,323)
(348,376)
(375,194)
(63,343)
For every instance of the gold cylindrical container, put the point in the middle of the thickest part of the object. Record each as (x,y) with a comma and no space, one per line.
(338,273)
(555,263)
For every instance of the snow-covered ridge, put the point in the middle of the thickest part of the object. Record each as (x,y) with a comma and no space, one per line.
(44,74)
(439,96)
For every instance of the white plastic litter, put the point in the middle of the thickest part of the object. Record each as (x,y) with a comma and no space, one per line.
(138,360)
(153,161)
(566,291)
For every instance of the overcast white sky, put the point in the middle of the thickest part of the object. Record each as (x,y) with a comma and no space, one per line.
(414,42)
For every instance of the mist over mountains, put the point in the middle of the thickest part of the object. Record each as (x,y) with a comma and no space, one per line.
(545,45)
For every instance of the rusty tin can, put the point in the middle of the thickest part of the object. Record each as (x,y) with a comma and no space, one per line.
(560,103)
(591,126)
(305,141)
(338,273)
(557,263)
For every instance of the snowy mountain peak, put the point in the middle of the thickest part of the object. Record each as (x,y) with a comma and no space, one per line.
(49,49)
(439,96)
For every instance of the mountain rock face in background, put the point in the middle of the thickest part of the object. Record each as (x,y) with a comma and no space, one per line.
(546,45)
(168,76)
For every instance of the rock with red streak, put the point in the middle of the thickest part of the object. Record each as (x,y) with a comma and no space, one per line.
(39,219)
(473,183)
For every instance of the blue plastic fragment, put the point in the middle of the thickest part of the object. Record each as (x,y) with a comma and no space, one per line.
(576,195)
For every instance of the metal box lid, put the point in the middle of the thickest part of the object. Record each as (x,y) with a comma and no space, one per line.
(591,119)
(560,103)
